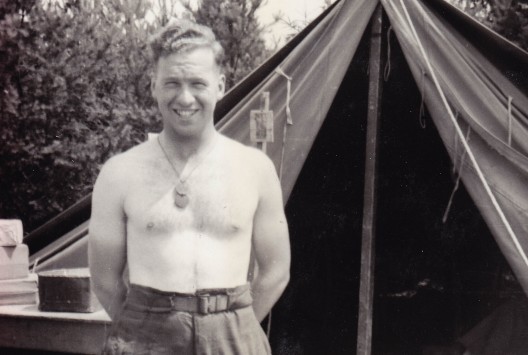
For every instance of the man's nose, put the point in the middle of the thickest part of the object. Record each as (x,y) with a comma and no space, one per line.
(185,98)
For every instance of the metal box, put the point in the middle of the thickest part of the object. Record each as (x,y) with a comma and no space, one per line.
(67,290)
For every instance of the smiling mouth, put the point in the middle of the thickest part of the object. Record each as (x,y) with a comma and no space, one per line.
(184,113)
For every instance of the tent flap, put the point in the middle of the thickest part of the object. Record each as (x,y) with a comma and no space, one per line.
(473,102)
(316,68)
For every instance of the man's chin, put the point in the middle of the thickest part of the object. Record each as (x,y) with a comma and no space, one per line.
(187,130)
(183,121)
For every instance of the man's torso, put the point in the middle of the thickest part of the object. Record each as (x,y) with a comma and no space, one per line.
(207,243)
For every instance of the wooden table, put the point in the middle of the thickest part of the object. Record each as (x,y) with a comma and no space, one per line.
(25,327)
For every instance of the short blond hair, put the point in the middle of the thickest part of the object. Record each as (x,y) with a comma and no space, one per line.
(180,36)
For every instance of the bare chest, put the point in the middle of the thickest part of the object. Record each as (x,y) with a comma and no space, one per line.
(220,201)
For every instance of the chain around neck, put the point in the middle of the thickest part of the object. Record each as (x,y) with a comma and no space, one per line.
(178,175)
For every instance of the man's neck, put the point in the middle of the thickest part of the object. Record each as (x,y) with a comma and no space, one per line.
(183,148)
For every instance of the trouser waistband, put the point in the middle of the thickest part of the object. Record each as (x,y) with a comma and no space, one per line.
(203,301)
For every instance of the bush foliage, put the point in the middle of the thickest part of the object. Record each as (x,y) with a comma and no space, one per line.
(232,21)
(75,87)
(509,18)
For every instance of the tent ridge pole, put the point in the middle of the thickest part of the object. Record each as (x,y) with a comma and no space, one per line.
(366,286)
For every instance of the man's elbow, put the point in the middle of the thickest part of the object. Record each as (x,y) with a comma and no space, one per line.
(98,288)
(102,293)
(110,294)
(283,280)
(104,284)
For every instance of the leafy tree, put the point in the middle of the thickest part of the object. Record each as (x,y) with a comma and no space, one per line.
(74,77)
(75,91)
(509,18)
(238,30)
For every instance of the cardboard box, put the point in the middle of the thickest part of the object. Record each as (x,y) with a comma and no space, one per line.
(14,262)
(19,291)
(11,232)
(67,290)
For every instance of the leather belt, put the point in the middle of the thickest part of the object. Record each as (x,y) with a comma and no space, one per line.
(203,302)
(200,304)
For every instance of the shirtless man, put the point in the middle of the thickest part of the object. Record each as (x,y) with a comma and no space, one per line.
(178,216)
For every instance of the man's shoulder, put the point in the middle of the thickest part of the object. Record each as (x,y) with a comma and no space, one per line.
(251,160)
(119,167)
(247,154)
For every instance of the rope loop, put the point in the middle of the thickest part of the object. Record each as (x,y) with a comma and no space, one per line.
(459,176)
(289,119)
(387,70)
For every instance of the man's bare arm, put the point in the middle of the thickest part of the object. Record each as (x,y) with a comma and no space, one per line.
(107,240)
(271,244)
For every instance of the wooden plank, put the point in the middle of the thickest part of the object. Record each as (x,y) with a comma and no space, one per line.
(25,327)
(366,287)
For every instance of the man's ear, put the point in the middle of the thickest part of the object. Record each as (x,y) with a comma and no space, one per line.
(152,86)
(221,86)
(153,73)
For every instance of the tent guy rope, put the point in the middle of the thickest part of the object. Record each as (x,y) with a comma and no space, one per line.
(510,119)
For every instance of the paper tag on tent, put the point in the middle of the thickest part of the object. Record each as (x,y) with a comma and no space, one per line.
(11,232)
(261,126)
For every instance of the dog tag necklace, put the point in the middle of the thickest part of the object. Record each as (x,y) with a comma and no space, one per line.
(181,191)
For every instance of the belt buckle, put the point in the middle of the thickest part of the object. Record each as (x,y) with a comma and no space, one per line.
(203,303)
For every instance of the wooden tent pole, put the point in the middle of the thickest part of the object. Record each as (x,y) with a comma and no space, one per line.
(366,287)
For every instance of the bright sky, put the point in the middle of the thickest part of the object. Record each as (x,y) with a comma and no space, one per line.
(296,12)
(300,12)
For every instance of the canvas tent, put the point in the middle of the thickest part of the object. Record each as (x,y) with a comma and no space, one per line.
(473,86)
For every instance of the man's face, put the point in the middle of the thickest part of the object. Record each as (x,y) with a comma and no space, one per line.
(187,87)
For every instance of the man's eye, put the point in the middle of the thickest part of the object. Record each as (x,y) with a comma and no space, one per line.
(199,84)
(172,84)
